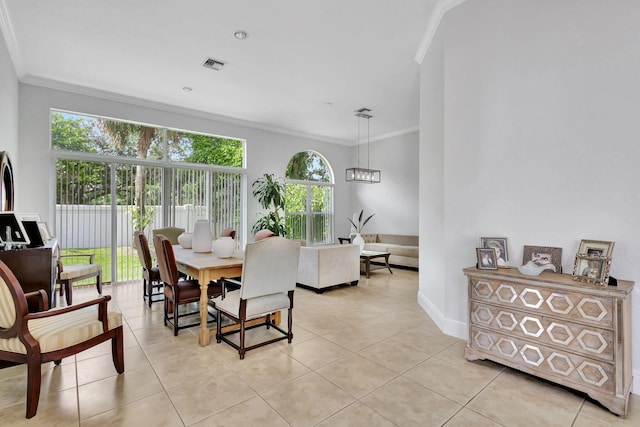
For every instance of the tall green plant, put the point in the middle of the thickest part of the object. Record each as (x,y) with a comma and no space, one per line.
(271,195)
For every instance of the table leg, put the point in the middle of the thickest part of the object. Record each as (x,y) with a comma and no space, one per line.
(386,260)
(367,266)
(204,337)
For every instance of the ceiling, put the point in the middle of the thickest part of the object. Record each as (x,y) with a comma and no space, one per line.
(305,67)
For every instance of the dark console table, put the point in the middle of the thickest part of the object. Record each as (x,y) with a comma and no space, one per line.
(35,268)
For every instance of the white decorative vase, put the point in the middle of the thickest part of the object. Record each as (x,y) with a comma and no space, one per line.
(185,240)
(358,240)
(224,247)
(201,241)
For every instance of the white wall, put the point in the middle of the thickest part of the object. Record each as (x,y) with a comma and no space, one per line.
(8,105)
(540,137)
(267,152)
(432,237)
(395,199)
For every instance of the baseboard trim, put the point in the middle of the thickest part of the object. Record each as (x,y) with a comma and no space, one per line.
(635,382)
(451,327)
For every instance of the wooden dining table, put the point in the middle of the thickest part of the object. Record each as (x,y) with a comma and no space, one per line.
(206,266)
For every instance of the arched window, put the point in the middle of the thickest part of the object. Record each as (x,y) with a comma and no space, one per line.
(309,198)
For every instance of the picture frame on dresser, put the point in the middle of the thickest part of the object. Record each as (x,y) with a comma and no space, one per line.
(542,255)
(596,248)
(592,270)
(487,258)
(500,245)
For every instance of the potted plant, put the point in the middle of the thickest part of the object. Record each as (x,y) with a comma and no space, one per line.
(270,194)
(358,240)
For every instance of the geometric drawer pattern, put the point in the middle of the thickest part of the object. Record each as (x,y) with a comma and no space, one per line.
(576,335)
(580,370)
(576,305)
(586,340)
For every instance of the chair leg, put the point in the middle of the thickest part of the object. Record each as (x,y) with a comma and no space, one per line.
(68,290)
(241,351)
(117,350)
(166,310)
(33,384)
(218,327)
(175,319)
(289,325)
(144,287)
(99,283)
(149,290)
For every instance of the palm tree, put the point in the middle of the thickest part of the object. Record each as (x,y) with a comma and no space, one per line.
(120,132)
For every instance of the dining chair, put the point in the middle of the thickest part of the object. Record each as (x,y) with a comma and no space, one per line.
(267,284)
(228,232)
(263,234)
(51,335)
(170,233)
(70,273)
(177,290)
(151,280)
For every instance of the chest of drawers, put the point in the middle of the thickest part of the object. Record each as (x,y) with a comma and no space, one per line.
(550,326)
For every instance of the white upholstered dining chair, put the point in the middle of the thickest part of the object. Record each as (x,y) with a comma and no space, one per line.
(268,280)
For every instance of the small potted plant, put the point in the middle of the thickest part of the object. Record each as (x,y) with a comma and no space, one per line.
(357,228)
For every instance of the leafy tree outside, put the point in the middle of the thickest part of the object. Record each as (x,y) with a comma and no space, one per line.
(308,166)
(89,182)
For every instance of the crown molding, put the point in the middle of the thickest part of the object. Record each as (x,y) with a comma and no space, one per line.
(10,39)
(396,133)
(139,102)
(441,7)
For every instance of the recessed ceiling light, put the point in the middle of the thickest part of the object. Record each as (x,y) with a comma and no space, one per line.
(240,34)
(187,89)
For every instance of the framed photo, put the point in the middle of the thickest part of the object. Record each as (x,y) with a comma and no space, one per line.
(45,232)
(541,255)
(592,270)
(500,245)
(487,259)
(30,217)
(595,249)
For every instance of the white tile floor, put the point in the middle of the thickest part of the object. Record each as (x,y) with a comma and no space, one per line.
(361,356)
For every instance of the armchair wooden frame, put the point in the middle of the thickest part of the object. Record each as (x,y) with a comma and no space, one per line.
(33,356)
(67,284)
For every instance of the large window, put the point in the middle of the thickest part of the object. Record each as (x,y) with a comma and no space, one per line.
(114,177)
(309,198)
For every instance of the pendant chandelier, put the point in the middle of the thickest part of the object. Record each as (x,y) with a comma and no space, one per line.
(358,174)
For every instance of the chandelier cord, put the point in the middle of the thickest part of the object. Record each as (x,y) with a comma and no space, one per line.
(368,144)
(358,150)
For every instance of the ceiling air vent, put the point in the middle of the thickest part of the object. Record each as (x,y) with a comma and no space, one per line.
(214,64)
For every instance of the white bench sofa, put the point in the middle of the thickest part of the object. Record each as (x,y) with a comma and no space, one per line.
(321,267)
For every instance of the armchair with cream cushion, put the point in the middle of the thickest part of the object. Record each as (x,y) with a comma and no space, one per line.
(323,266)
(69,273)
(51,335)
